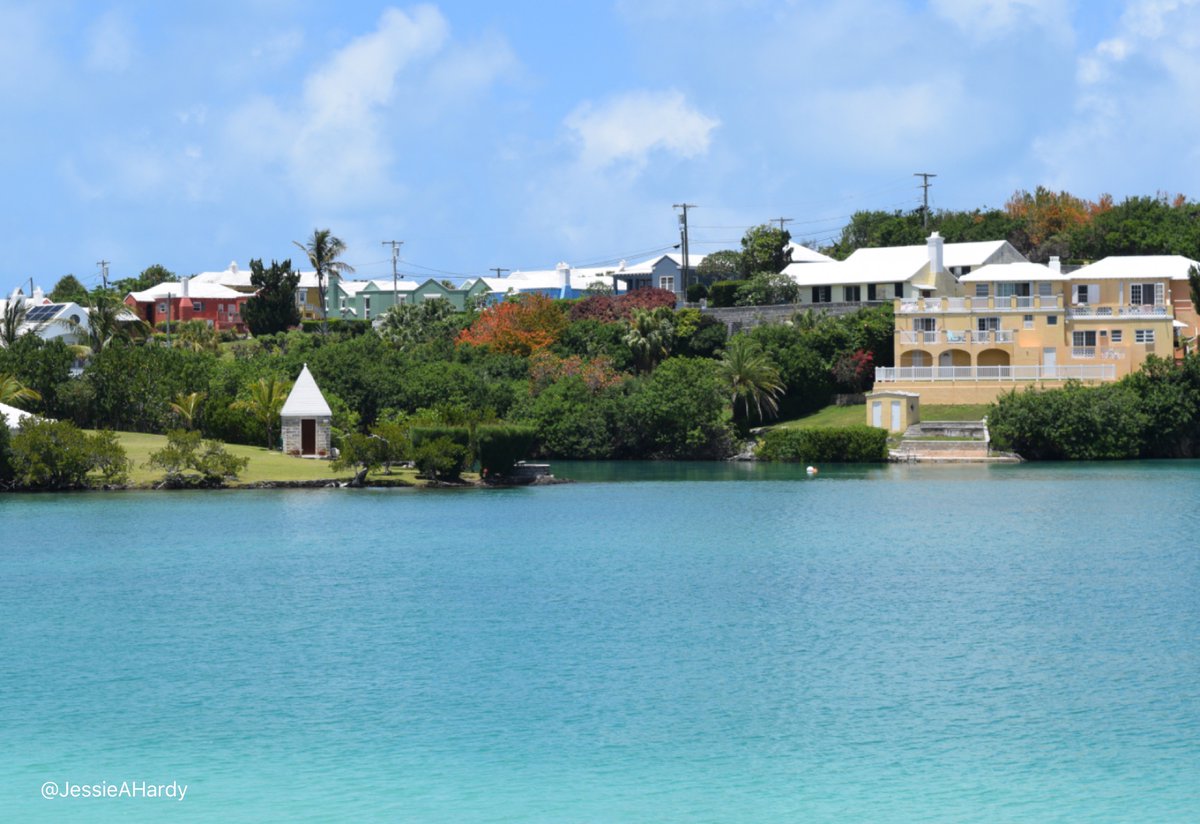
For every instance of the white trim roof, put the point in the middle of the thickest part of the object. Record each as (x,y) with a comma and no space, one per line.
(803,254)
(195,291)
(236,277)
(305,399)
(1127,267)
(12,416)
(1012,273)
(891,264)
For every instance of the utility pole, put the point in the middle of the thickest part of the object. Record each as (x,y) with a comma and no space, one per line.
(499,272)
(395,244)
(781,221)
(103,264)
(168,320)
(683,232)
(925,184)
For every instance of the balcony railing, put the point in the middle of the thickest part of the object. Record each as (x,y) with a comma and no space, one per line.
(1151,311)
(1083,352)
(961,336)
(1010,303)
(893,374)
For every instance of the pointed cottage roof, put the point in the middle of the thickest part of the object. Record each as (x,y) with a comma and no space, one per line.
(305,399)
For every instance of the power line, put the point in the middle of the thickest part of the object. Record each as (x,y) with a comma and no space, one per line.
(683,226)
(925,185)
(395,244)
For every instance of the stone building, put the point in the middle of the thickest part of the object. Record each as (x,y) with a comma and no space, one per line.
(306,419)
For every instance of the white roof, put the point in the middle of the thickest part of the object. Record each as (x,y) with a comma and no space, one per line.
(305,399)
(890,264)
(1012,272)
(581,279)
(837,274)
(13,416)
(1174,267)
(353,287)
(975,253)
(802,254)
(199,291)
(236,277)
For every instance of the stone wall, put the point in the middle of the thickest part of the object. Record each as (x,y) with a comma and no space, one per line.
(291,436)
(737,318)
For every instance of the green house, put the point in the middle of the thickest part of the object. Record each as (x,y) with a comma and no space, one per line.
(368,299)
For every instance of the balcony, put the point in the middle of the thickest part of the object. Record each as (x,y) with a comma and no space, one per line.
(894,374)
(1147,311)
(1009,303)
(955,336)
(1083,352)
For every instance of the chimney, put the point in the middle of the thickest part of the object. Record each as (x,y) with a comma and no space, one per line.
(564,279)
(233,266)
(184,283)
(1055,265)
(936,246)
(38,295)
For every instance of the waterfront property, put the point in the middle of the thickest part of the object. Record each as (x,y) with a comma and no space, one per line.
(305,419)
(1008,325)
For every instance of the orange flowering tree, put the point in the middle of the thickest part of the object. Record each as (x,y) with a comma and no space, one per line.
(518,326)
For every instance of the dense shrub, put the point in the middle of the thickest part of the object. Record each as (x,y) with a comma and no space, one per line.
(696,292)
(1072,423)
(440,458)
(844,444)
(575,421)
(59,455)
(499,447)
(6,467)
(724,292)
(680,411)
(338,326)
(189,461)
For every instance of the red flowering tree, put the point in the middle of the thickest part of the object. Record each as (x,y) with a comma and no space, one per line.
(518,326)
(607,309)
(855,372)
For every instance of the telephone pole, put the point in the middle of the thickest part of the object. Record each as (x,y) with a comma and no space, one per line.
(395,244)
(683,233)
(781,221)
(499,272)
(103,264)
(925,184)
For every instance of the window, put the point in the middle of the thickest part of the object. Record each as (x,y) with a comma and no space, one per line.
(1087,338)
(1029,321)
(1052,320)
(1116,335)
(1086,292)
(1146,294)
(987,324)
(925,324)
(667,282)
(822,294)
(1046,289)
(1143,336)
(852,294)
(162,308)
(900,289)
(197,306)
(981,290)
(876,292)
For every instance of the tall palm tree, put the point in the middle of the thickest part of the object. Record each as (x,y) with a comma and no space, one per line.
(264,402)
(109,320)
(649,336)
(187,407)
(751,377)
(13,319)
(323,250)
(11,389)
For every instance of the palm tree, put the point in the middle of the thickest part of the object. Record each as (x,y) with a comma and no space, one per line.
(649,337)
(265,402)
(108,320)
(15,311)
(751,377)
(11,389)
(323,250)
(187,407)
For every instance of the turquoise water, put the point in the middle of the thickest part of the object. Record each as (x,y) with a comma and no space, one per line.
(904,643)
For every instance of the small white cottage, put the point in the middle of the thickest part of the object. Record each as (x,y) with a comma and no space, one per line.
(306,419)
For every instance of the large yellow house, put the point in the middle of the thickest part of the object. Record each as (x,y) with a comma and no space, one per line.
(1007,325)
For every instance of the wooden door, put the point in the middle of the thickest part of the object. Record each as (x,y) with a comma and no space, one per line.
(308,436)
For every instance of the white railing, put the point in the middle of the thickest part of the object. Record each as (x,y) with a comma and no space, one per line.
(917,336)
(1090,312)
(1112,354)
(957,335)
(1024,301)
(992,336)
(1151,310)
(956,304)
(976,337)
(909,306)
(1083,352)
(892,374)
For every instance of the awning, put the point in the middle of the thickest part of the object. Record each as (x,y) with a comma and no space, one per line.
(1178,324)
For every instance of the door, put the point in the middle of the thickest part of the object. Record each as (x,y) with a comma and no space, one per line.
(308,436)
(1049,361)
(895,427)
(877,413)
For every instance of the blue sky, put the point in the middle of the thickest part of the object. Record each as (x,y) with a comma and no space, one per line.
(522,133)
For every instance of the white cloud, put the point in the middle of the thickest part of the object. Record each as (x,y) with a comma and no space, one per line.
(986,18)
(628,128)
(110,44)
(279,48)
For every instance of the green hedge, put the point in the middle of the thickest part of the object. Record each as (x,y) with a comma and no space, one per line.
(500,446)
(842,444)
(460,435)
(341,326)
(724,292)
(696,292)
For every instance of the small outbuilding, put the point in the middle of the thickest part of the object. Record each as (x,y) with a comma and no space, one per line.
(893,411)
(306,419)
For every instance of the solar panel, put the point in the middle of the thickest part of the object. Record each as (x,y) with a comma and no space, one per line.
(40,313)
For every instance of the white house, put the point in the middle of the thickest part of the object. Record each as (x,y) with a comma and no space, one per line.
(12,416)
(47,320)
(306,419)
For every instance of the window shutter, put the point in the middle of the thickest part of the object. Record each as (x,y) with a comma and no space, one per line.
(1075,292)
(1158,294)
(1093,292)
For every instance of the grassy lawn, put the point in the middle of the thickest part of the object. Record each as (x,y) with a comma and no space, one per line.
(849,415)
(263,466)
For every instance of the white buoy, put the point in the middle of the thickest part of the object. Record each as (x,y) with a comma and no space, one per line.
(812,470)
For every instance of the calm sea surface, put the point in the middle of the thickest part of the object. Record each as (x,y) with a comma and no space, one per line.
(695,643)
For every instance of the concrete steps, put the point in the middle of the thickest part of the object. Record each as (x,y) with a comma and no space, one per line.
(945,441)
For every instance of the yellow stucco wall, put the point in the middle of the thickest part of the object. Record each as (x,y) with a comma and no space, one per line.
(894,410)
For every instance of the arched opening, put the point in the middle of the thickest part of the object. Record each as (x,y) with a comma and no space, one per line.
(915,357)
(954,357)
(993,357)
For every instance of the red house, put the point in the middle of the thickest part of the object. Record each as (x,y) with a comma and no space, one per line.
(219,306)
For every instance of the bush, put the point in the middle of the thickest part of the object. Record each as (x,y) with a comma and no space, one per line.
(460,435)
(724,292)
(696,292)
(499,447)
(189,461)
(1075,423)
(440,458)
(351,327)
(6,467)
(60,455)
(845,444)
(767,289)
